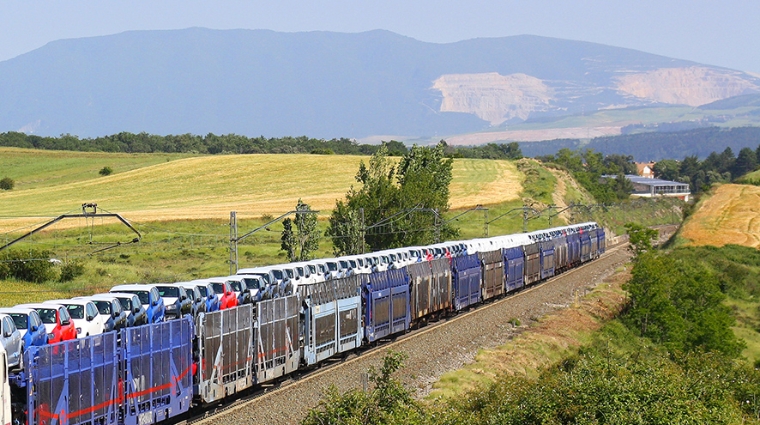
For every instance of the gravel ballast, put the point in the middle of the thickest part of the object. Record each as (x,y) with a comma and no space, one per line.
(433,350)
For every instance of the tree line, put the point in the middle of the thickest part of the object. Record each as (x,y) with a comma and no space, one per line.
(717,167)
(655,146)
(213,144)
(588,167)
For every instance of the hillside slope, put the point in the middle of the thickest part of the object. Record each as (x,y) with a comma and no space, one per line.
(209,187)
(730,215)
(326,84)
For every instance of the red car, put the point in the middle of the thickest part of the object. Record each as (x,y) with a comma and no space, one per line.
(227,296)
(58,323)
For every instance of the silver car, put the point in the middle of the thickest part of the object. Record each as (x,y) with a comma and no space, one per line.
(10,339)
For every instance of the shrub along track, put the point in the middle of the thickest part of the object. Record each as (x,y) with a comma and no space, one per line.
(432,350)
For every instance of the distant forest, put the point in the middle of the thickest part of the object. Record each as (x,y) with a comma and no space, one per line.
(236,144)
(655,146)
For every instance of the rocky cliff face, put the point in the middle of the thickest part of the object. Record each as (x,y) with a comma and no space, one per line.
(492,97)
(498,98)
(692,86)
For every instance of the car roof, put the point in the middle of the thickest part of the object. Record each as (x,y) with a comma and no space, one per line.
(38,305)
(260,269)
(102,297)
(78,301)
(133,287)
(16,310)
(210,280)
(117,294)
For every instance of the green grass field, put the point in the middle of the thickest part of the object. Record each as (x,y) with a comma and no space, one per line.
(181,206)
(209,187)
(34,169)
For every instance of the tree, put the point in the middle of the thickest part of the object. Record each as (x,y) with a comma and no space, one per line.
(511,150)
(619,164)
(396,148)
(7,183)
(401,203)
(679,304)
(300,238)
(667,169)
(621,186)
(726,160)
(388,401)
(745,163)
(640,238)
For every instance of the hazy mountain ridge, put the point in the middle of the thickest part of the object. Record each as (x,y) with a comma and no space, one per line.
(323,84)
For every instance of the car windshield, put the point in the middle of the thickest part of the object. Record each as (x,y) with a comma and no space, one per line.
(168,291)
(75,311)
(277,274)
(104,307)
(190,293)
(126,303)
(290,273)
(333,267)
(144,296)
(252,283)
(236,285)
(47,315)
(203,290)
(20,320)
(218,288)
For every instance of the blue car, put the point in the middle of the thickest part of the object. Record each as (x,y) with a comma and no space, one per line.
(207,291)
(149,298)
(29,323)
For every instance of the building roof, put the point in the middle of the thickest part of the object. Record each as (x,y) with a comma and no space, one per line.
(653,182)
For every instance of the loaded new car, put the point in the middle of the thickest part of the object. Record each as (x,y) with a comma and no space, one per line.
(149,298)
(12,342)
(131,305)
(85,315)
(194,294)
(175,299)
(110,307)
(28,322)
(57,321)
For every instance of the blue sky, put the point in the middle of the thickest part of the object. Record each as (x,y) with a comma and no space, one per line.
(725,33)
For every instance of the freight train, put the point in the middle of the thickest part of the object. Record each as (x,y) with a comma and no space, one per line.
(150,373)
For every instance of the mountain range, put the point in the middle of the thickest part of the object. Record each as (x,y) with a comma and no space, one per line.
(371,85)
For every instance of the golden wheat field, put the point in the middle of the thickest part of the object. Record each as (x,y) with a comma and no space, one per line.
(209,187)
(731,215)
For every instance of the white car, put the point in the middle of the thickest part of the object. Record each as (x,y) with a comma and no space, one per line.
(85,315)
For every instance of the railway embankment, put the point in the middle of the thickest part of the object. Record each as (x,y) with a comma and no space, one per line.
(434,350)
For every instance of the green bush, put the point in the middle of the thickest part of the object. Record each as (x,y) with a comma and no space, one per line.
(7,183)
(30,266)
(106,171)
(678,304)
(387,403)
(322,151)
(71,270)
(618,379)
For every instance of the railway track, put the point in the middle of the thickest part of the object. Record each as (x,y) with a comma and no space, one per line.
(279,389)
